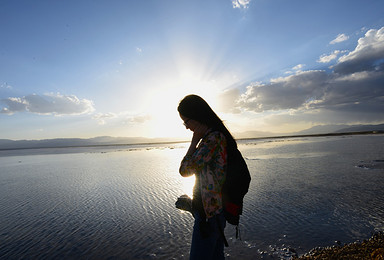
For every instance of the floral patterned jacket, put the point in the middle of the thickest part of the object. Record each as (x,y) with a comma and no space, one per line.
(209,162)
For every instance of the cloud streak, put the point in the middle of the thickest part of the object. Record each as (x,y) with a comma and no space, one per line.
(330,57)
(101,118)
(240,3)
(5,86)
(48,104)
(122,118)
(340,38)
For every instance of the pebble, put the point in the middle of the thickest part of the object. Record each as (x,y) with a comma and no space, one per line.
(372,248)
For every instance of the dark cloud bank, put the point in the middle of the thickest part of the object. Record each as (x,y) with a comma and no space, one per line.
(352,91)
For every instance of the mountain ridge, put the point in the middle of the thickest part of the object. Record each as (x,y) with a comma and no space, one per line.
(6,144)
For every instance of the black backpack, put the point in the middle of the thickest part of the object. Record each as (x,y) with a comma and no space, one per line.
(235,187)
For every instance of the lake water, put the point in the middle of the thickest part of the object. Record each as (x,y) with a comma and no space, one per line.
(118,202)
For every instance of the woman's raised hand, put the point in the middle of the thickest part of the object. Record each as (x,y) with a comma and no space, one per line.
(199,132)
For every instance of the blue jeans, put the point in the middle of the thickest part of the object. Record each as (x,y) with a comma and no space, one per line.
(207,241)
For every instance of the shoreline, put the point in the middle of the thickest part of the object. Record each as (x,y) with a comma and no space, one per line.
(372,248)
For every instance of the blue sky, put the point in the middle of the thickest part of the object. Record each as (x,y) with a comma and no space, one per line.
(119,68)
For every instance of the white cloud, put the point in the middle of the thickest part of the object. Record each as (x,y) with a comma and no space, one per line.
(368,54)
(240,3)
(363,75)
(13,105)
(289,92)
(328,58)
(340,38)
(5,86)
(102,117)
(139,119)
(295,69)
(298,67)
(47,104)
(121,118)
(227,101)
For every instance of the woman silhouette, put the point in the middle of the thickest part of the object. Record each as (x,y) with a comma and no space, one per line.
(206,158)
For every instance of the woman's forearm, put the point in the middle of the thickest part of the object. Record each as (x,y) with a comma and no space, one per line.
(197,135)
(192,147)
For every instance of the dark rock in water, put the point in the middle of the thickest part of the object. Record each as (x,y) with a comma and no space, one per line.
(371,165)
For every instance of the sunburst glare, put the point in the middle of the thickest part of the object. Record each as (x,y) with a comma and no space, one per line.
(188,184)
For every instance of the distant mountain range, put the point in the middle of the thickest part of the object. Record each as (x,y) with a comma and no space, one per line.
(108,140)
(74,142)
(322,129)
(341,129)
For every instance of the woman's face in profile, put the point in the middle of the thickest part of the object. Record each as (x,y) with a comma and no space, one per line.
(189,123)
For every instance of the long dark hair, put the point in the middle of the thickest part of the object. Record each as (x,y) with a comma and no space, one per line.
(196,108)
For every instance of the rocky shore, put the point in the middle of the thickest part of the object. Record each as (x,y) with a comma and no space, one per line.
(372,248)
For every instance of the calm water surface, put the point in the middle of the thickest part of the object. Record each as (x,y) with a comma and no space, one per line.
(118,202)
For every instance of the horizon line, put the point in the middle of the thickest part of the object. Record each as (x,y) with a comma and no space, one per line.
(374,132)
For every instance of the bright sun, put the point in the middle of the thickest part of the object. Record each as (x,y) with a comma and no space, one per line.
(162,105)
